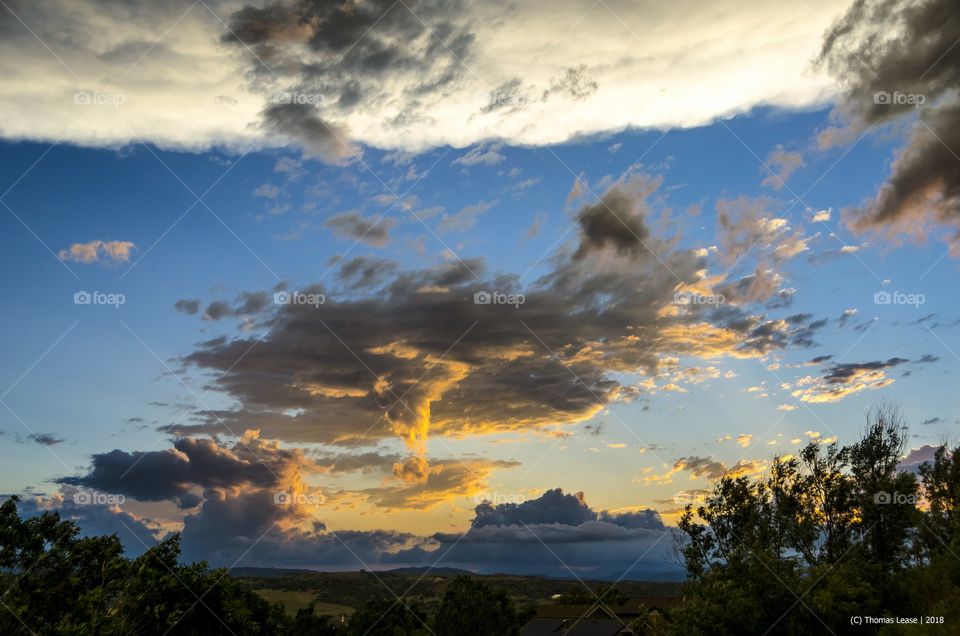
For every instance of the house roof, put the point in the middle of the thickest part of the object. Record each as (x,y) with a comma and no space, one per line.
(572,627)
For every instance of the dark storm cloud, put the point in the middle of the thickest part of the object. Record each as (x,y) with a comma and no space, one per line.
(556,507)
(344,54)
(550,534)
(303,125)
(617,219)
(371,230)
(553,506)
(191,463)
(553,532)
(895,58)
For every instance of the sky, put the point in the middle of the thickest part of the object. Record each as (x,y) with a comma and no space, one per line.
(492,285)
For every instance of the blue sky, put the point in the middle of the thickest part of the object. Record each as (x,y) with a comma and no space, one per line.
(602,382)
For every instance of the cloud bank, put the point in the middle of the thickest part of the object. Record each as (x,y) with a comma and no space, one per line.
(328,75)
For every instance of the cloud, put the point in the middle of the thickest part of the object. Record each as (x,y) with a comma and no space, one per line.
(429,484)
(553,506)
(429,74)
(782,164)
(188,305)
(46,439)
(842,380)
(706,467)
(846,316)
(481,156)
(301,124)
(746,224)
(370,230)
(550,534)
(364,272)
(617,219)
(240,523)
(191,464)
(97,251)
(267,191)
(464,219)
(406,354)
(822,216)
(917,457)
(97,519)
(897,60)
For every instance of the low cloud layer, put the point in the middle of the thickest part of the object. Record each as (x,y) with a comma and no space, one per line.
(241,519)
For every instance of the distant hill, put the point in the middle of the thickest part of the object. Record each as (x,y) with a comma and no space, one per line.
(298,587)
(267,573)
(429,570)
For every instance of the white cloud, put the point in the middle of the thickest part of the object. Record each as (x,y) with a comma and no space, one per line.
(116,73)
